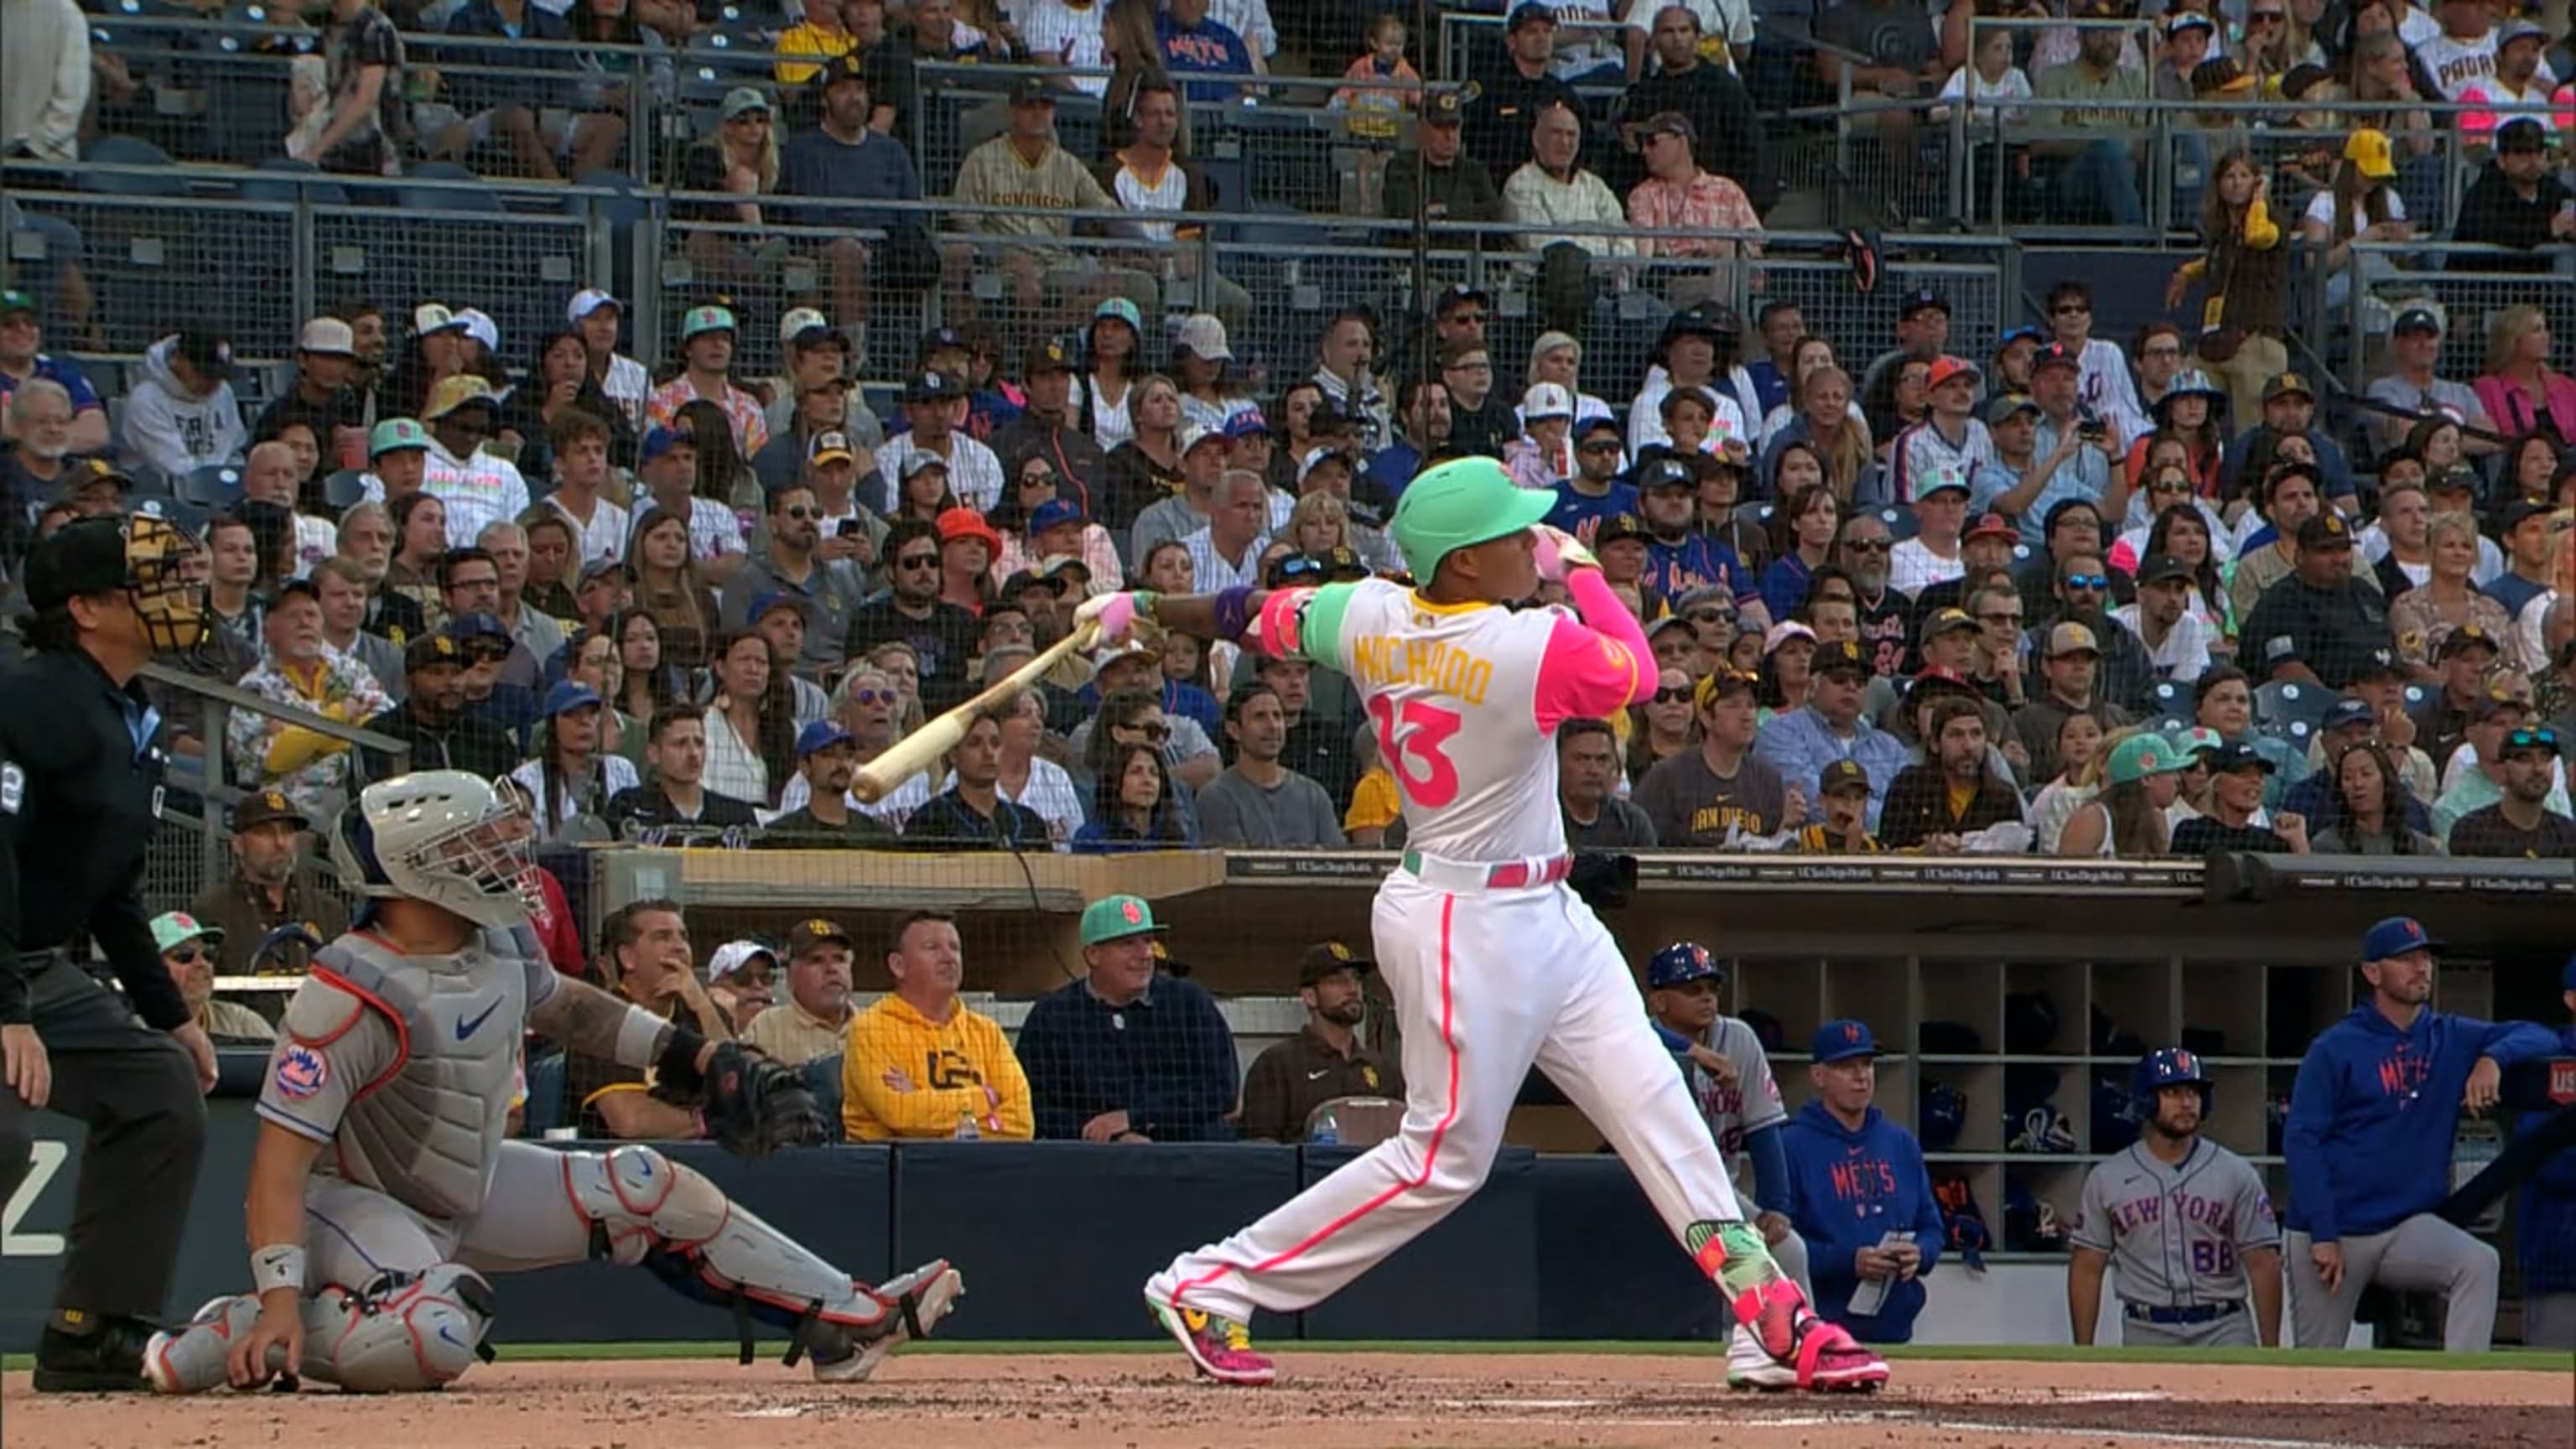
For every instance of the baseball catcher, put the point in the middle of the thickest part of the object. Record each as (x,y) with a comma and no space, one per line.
(382,1191)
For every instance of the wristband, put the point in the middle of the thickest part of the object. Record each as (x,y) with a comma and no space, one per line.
(1145,600)
(279,1265)
(1233,612)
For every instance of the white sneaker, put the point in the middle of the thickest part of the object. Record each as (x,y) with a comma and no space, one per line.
(1748,1367)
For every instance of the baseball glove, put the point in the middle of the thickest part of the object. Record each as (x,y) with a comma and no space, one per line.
(754,1106)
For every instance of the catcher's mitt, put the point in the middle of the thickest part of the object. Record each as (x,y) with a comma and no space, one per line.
(754,1106)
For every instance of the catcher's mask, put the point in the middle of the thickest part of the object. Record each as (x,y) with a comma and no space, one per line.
(165,579)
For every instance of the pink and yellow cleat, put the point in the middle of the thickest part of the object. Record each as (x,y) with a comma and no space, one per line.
(1220,1348)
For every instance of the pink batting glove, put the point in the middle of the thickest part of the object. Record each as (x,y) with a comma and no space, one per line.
(1114,614)
(1560,551)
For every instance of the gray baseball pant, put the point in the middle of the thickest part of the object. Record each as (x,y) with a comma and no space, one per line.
(2234,1330)
(2422,1254)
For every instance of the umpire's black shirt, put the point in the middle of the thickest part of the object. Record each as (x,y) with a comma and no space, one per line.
(80,796)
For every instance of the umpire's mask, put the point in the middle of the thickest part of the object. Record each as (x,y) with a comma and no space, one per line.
(165,577)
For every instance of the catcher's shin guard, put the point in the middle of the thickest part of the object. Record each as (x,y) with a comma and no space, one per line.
(644,1208)
(403,1332)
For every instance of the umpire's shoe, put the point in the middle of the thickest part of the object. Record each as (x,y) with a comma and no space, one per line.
(106,1361)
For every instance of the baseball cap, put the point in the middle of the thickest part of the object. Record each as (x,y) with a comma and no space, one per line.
(2220,75)
(1048,356)
(916,464)
(1842,1040)
(2522,133)
(395,435)
(2182,20)
(1529,15)
(705,319)
(1459,504)
(1787,631)
(2368,151)
(1842,654)
(1842,775)
(1721,683)
(1054,512)
(1945,621)
(1192,435)
(569,695)
(1664,471)
(1115,918)
(2458,478)
(431,317)
(2494,701)
(942,338)
(1680,962)
(1245,424)
(733,956)
(2005,408)
(2056,355)
(328,337)
(2520,511)
(2530,739)
(603,568)
(2070,637)
(429,651)
(1944,478)
(1444,108)
(1326,957)
(589,300)
(466,628)
(1546,400)
(2139,756)
(742,100)
(2345,713)
(658,441)
(830,446)
(806,327)
(173,929)
(2282,384)
(1921,299)
(2378,662)
(462,390)
(2196,739)
(14,301)
(1669,123)
(767,600)
(1458,294)
(1202,335)
(934,387)
(846,67)
(2236,755)
(2520,27)
(2416,319)
(262,806)
(820,734)
(1617,527)
(1934,679)
(2157,568)
(2326,530)
(1946,368)
(814,931)
(1122,309)
(2396,936)
(1033,91)
(1993,525)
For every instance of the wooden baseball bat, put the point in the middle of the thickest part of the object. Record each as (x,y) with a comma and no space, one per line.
(921,750)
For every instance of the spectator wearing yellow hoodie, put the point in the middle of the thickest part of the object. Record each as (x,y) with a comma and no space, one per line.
(918,1064)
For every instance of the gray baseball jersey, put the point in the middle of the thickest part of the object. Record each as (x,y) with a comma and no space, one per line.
(2176,1232)
(404,1065)
(1737,1112)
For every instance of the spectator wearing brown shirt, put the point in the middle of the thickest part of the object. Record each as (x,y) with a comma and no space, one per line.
(1324,1061)
(271,886)
(1952,794)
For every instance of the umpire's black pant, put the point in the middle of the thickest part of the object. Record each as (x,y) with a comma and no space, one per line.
(137,1090)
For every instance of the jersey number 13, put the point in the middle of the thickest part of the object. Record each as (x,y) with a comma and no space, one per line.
(1414,738)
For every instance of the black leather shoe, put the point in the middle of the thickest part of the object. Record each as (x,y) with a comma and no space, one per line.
(109,1361)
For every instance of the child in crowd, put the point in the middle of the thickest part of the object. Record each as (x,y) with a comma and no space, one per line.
(1374,113)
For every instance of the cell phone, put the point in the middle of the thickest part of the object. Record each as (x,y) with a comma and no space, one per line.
(849,528)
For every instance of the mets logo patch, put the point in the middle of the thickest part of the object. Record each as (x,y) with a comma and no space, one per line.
(301,1072)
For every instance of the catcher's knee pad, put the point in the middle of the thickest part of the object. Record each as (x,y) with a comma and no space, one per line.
(402,1332)
(645,1208)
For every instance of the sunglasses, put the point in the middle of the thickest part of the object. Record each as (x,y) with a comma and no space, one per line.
(871,695)
(2543,738)
(2265,17)
(190,955)
(2014,617)
(2170,485)
(1600,448)
(918,561)
(1300,568)
(1038,480)
(1673,696)
(2088,583)
(801,513)
(1155,732)
(1708,616)
(487,653)
(1870,545)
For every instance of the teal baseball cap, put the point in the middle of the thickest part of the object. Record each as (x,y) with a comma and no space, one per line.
(1459,504)
(394,435)
(705,319)
(1115,918)
(2142,755)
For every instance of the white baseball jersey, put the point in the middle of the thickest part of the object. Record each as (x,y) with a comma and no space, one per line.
(1736,1113)
(1466,699)
(2176,1232)
(2455,65)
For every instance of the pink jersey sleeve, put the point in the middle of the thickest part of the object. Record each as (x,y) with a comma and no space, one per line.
(1594,667)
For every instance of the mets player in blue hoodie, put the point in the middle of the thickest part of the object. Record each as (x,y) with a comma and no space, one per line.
(1855,1177)
(2547,1232)
(2369,1146)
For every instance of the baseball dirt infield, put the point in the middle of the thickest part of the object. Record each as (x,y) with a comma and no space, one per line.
(1329,1400)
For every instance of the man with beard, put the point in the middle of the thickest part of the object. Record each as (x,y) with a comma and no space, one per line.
(2520,825)
(2081,589)
(1952,795)
(1727,137)
(2368,1142)
(829,592)
(1323,1061)
(2070,670)
(1702,795)
(1886,617)
(2320,624)
(272,885)
(2177,639)
(2100,178)
(1594,491)
(1048,427)
(827,756)
(940,634)
(1437,179)
(2187,1222)
(2516,203)
(1679,558)
(433,720)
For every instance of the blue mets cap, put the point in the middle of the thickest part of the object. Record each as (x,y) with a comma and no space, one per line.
(2395,937)
(1680,962)
(1839,1040)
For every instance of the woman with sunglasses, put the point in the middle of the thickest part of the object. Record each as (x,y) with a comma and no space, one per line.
(2167,484)
(1661,726)
(1035,484)
(1133,806)
(740,162)
(667,588)
(1134,717)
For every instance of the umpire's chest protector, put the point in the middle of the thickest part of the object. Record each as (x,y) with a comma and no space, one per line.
(425,1130)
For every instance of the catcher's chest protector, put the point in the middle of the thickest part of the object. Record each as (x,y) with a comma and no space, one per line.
(427,1133)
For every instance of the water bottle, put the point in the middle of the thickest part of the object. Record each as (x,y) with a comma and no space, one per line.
(1327,1131)
(967,1131)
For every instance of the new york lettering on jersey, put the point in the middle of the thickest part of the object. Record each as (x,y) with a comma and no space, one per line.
(2149,1209)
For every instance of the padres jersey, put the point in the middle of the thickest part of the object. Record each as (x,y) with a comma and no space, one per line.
(1465,699)
(2176,1232)
(1736,1113)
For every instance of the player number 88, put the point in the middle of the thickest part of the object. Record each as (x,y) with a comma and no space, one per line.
(1413,736)
(2213,1258)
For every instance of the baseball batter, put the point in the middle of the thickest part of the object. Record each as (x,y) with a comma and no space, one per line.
(2368,1141)
(382,1191)
(1493,962)
(2185,1221)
